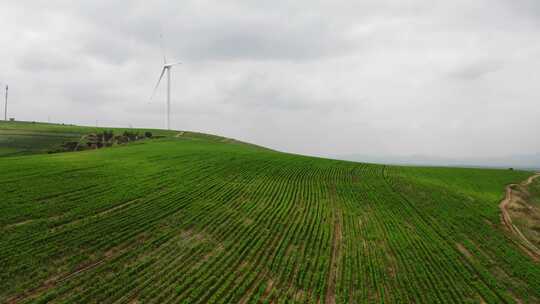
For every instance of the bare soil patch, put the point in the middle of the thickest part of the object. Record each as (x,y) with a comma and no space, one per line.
(464,251)
(21,223)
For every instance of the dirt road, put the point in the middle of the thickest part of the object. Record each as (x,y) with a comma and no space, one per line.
(511,197)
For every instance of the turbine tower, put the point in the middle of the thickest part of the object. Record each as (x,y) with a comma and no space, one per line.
(5,105)
(166,68)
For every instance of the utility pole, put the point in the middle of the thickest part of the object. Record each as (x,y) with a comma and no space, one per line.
(5,106)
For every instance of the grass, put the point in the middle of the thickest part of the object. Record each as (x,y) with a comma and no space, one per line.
(203,219)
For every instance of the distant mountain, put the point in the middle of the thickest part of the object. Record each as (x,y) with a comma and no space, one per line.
(530,161)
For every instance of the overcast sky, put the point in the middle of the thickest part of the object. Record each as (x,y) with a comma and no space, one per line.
(443,78)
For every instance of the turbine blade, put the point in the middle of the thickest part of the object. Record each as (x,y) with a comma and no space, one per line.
(157,84)
(176,63)
(162,49)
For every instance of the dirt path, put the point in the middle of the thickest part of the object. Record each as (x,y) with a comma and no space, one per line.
(526,245)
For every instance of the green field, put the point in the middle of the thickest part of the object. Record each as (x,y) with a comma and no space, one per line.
(202,219)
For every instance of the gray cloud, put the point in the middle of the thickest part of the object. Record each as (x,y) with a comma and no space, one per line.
(475,70)
(317,77)
(45,61)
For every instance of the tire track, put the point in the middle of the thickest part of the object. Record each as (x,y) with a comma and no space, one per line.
(527,246)
(336,253)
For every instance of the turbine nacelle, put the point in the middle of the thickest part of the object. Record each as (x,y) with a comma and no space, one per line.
(170,65)
(166,66)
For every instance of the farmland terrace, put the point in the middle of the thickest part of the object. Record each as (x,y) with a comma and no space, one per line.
(194,218)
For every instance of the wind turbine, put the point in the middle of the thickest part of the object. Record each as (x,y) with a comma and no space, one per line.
(166,68)
(5,105)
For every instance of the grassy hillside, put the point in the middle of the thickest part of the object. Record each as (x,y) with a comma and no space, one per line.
(23,138)
(200,219)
